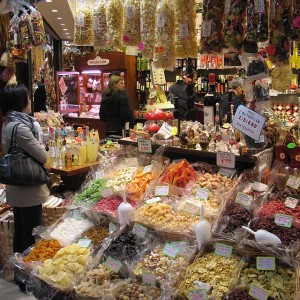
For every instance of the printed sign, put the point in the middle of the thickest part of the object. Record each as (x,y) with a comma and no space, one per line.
(139,230)
(162,190)
(226,160)
(258,292)
(145,145)
(84,243)
(113,264)
(283,220)
(293,182)
(148,278)
(223,250)
(170,250)
(153,200)
(259,187)
(198,295)
(248,122)
(132,161)
(203,194)
(191,208)
(244,199)
(181,245)
(165,130)
(291,202)
(265,263)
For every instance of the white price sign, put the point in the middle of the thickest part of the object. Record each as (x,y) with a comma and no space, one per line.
(147,169)
(283,220)
(162,190)
(170,250)
(112,227)
(113,264)
(293,182)
(291,202)
(198,295)
(84,243)
(244,199)
(226,172)
(265,263)
(166,130)
(148,278)
(144,145)
(259,187)
(139,230)
(223,250)
(191,208)
(153,200)
(258,292)
(248,122)
(226,160)
(203,194)
(132,161)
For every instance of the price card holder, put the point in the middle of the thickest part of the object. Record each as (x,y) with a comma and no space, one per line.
(144,145)
(291,202)
(112,227)
(203,194)
(226,160)
(223,250)
(265,263)
(283,220)
(170,250)
(244,199)
(191,208)
(113,264)
(198,294)
(148,278)
(107,192)
(139,230)
(293,182)
(258,292)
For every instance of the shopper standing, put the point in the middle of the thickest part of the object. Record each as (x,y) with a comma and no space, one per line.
(26,201)
(115,107)
(40,97)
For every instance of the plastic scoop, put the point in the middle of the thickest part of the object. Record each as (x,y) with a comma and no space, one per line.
(203,229)
(264,237)
(125,211)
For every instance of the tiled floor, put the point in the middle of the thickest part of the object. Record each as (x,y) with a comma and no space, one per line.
(10,291)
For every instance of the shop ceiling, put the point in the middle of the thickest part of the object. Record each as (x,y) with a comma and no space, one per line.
(60,16)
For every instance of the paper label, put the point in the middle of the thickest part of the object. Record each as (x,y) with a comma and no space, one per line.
(291,202)
(293,182)
(223,250)
(113,264)
(148,278)
(258,292)
(226,172)
(160,20)
(107,193)
(112,227)
(80,20)
(84,243)
(259,6)
(170,250)
(132,162)
(265,263)
(144,145)
(139,230)
(259,187)
(183,30)
(227,6)
(244,199)
(191,208)
(147,169)
(283,220)
(226,160)
(181,245)
(248,122)
(166,130)
(162,190)
(198,295)
(203,194)
(206,28)
(130,11)
(77,214)
(153,200)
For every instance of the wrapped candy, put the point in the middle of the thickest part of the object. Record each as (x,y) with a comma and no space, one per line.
(99,24)
(234,24)
(83,25)
(115,11)
(164,56)
(185,33)
(148,8)
(131,31)
(212,35)
(279,43)
(25,32)
(38,31)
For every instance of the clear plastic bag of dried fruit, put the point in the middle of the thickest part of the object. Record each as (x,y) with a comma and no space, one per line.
(148,26)
(295,27)
(164,51)
(115,21)
(185,33)
(38,31)
(99,24)
(83,35)
(212,34)
(131,30)
(25,31)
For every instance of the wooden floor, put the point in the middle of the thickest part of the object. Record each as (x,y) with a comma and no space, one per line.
(10,291)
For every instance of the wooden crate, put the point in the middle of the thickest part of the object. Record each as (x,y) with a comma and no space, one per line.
(6,236)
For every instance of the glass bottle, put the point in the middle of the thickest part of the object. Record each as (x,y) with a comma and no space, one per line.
(52,148)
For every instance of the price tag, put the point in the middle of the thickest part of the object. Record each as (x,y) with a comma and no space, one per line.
(265,263)
(226,160)
(144,145)
(226,172)
(198,295)
(107,193)
(113,264)
(147,169)
(258,292)
(248,122)
(162,190)
(259,6)
(166,130)
(170,250)
(223,250)
(126,39)
(141,46)
(283,220)
(148,278)
(130,11)
(153,200)
(291,202)
(293,182)
(183,30)
(112,227)
(139,230)
(191,208)
(206,28)
(84,243)
(244,199)
(80,20)
(227,6)
(203,194)
(132,162)
(160,20)
(181,245)
(77,214)
(259,187)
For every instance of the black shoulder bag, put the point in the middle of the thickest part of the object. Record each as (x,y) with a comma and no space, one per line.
(17,167)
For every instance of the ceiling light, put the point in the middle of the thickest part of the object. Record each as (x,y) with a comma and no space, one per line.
(59,18)
(65,29)
(62,24)
(91,72)
(48,0)
(54,10)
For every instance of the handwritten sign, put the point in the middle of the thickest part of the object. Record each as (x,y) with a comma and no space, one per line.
(191,208)
(259,187)
(84,243)
(147,169)
(203,194)
(139,230)
(223,250)
(77,214)
(226,172)
(144,145)
(148,278)
(113,264)
(198,295)
(293,182)
(258,292)
(291,202)
(248,122)
(162,190)
(131,161)
(283,220)
(244,199)
(166,130)
(265,263)
(226,160)
(170,250)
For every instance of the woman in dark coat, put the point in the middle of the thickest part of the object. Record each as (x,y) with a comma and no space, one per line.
(115,108)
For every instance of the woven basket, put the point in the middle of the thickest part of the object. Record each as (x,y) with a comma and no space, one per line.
(52,214)
(6,236)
